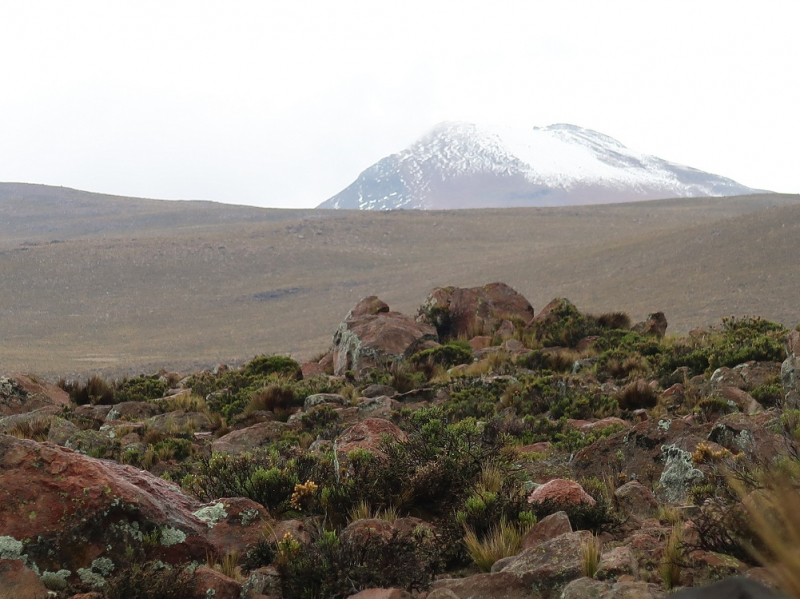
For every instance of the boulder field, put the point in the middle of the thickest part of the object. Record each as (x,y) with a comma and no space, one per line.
(475,449)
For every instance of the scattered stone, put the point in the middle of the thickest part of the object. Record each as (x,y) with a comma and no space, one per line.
(589,588)
(561,492)
(547,528)
(496,585)
(636,500)
(549,566)
(617,562)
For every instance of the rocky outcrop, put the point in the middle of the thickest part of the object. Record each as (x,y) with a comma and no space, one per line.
(20,393)
(458,311)
(372,335)
(655,324)
(250,438)
(790,372)
(68,509)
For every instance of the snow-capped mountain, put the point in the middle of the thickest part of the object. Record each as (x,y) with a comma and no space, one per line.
(462,165)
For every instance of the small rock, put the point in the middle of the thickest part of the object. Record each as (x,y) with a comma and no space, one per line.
(561,491)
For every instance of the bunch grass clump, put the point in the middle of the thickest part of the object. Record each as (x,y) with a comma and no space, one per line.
(502,540)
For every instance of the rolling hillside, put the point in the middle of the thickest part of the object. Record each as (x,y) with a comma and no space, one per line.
(214,283)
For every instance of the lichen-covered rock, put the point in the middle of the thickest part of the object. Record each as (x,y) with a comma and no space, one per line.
(251,437)
(496,585)
(679,474)
(636,500)
(552,564)
(69,510)
(734,587)
(617,562)
(20,393)
(371,336)
(589,588)
(474,310)
(213,584)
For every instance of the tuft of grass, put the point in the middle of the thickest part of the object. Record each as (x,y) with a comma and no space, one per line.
(363,511)
(502,540)
(491,478)
(670,566)
(591,550)
(229,566)
(635,395)
(35,429)
(775,519)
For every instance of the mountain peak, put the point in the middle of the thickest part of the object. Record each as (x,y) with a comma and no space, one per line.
(459,164)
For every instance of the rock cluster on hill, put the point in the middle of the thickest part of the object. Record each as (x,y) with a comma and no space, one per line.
(474,450)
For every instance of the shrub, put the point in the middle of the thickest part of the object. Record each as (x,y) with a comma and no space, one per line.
(447,355)
(140,388)
(36,429)
(267,365)
(150,580)
(334,568)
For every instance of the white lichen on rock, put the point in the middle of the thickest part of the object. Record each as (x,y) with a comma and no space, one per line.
(664,424)
(172,536)
(212,514)
(10,548)
(679,474)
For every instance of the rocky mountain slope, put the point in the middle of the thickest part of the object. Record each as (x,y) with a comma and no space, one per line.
(476,447)
(463,165)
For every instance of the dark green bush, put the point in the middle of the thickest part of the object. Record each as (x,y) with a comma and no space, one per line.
(332,568)
(448,355)
(141,388)
(150,580)
(266,365)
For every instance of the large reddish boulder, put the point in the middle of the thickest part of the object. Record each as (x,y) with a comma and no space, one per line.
(20,393)
(475,310)
(371,335)
(561,492)
(369,435)
(17,581)
(69,509)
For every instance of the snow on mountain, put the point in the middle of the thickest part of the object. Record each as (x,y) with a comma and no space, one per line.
(462,165)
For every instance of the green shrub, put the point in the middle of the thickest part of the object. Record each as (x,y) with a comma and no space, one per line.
(448,355)
(150,580)
(334,568)
(267,365)
(141,388)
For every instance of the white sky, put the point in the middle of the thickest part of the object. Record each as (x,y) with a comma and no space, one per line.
(284,103)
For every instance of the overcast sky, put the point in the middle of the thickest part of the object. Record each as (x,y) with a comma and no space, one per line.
(283,104)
